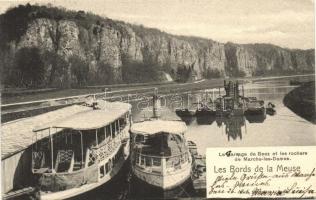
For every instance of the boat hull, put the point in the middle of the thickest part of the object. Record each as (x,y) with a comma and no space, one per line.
(143,190)
(205,112)
(165,182)
(185,113)
(255,111)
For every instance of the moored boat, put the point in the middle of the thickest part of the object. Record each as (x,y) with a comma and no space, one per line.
(82,152)
(185,112)
(160,156)
(270,109)
(255,107)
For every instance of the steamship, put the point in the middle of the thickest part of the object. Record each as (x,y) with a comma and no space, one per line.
(77,154)
(160,156)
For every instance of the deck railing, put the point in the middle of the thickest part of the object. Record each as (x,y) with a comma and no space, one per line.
(104,150)
(159,164)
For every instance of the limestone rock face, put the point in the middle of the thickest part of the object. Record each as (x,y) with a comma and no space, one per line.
(214,57)
(108,44)
(68,35)
(40,33)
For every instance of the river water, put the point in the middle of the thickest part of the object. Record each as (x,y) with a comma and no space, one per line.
(284,128)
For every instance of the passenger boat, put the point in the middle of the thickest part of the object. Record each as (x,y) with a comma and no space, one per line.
(77,154)
(160,156)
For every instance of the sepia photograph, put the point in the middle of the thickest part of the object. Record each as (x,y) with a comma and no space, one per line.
(157,99)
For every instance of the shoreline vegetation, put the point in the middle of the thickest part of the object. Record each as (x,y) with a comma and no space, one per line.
(301,101)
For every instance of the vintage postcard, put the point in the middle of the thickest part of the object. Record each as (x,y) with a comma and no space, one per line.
(157,99)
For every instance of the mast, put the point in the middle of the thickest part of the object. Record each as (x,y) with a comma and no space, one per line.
(155,104)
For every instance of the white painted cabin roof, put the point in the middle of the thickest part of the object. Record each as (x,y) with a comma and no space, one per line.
(91,119)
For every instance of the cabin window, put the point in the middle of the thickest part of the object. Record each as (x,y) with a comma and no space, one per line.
(117,126)
(108,131)
(110,164)
(102,171)
(139,138)
(107,168)
(113,129)
(101,135)
(122,123)
(136,159)
(156,162)
(148,161)
(142,160)
(168,163)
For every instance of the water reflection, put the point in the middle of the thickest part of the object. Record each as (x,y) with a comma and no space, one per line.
(205,120)
(187,120)
(255,118)
(232,126)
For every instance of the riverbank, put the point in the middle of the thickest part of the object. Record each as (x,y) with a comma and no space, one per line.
(301,101)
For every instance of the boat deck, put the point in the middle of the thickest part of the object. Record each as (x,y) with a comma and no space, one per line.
(163,144)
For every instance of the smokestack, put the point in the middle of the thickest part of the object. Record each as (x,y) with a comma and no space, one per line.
(155,104)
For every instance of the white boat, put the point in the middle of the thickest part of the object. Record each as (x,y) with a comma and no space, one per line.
(159,153)
(77,154)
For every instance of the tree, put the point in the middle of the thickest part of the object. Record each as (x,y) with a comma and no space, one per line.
(211,73)
(58,68)
(183,73)
(30,66)
(137,71)
(105,73)
(80,69)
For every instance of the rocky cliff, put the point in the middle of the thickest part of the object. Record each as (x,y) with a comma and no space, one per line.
(104,47)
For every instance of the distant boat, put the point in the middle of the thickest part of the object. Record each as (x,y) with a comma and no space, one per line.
(185,112)
(270,110)
(81,152)
(255,107)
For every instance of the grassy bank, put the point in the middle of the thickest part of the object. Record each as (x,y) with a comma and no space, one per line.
(301,101)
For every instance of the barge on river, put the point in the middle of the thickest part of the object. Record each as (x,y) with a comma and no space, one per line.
(81,152)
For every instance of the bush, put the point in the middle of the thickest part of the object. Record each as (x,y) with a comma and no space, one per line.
(139,72)
(211,73)
(183,73)
(30,67)
(105,74)
(80,69)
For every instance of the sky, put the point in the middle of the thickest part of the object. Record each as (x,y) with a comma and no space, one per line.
(286,23)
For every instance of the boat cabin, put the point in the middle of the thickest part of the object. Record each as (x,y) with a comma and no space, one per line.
(80,149)
(159,146)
